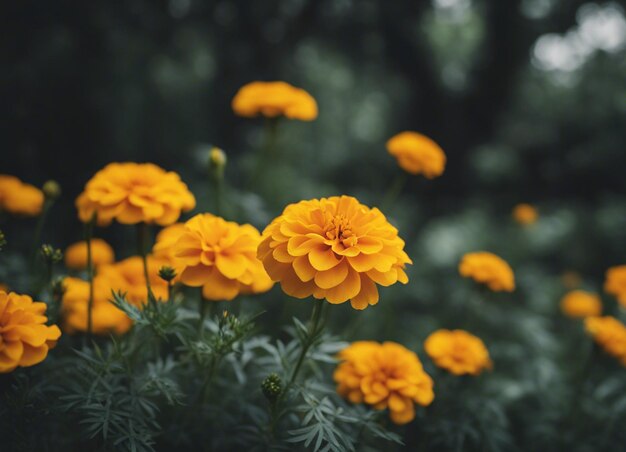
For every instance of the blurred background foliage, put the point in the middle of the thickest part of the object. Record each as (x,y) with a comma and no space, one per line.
(526,97)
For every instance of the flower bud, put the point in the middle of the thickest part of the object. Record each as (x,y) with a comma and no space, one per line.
(167,273)
(217,158)
(51,189)
(272,387)
(3,240)
(51,254)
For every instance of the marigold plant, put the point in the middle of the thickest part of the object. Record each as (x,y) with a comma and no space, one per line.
(76,254)
(24,336)
(580,304)
(19,198)
(218,255)
(525,214)
(610,334)
(417,154)
(386,375)
(334,248)
(273,99)
(488,269)
(615,283)
(134,193)
(458,352)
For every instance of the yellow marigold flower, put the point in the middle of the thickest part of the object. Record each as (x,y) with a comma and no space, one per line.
(133,193)
(24,336)
(272,99)
(128,277)
(333,248)
(458,352)
(19,198)
(580,304)
(105,317)
(384,375)
(219,255)
(525,214)
(164,245)
(615,283)
(610,334)
(417,154)
(489,269)
(76,254)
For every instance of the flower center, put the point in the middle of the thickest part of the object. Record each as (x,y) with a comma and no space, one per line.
(339,229)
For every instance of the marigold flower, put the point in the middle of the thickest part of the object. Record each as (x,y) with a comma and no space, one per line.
(24,336)
(133,193)
(458,352)
(580,304)
(610,334)
(105,317)
(164,245)
(615,283)
(417,154)
(385,375)
(219,255)
(489,269)
(272,99)
(333,248)
(127,276)
(525,214)
(19,198)
(76,254)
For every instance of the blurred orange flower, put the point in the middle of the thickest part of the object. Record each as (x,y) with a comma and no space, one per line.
(384,375)
(580,304)
(19,198)
(272,99)
(333,248)
(458,352)
(610,334)
(218,255)
(489,269)
(525,214)
(24,336)
(76,254)
(417,154)
(128,277)
(133,193)
(615,283)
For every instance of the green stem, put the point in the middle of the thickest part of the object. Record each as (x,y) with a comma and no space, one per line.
(314,329)
(205,308)
(394,191)
(268,151)
(88,237)
(142,229)
(39,228)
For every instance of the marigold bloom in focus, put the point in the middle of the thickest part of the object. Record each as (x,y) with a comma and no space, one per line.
(525,214)
(133,193)
(615,283)
(128,277)
(458,352)
(417,154)
(333,248)
(580,304)
(610,334)
(76,254)
(19,198)
(106,318)
(219,255)
(24,336)
(489,269)
(384,375)
(272,99)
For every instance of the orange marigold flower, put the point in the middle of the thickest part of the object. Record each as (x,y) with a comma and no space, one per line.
(615,283)
(127,276)
(76,254)
(384,375)
(417,154)
(334,248)
(580,304)
(458,352)
(610,334)
(19,198)
(489,269)
(164,245)
(525,214)
(272,99)
(105,317)
(219,255)
(133,193)
(24,336)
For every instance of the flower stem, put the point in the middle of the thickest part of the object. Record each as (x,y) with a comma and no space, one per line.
(142,229)
(314,329)
(394,191)
(268,151)
(39,229)
(88,237)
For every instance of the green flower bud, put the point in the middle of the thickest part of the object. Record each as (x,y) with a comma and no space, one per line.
(217,159)
(167,273)
(2,240)
(272,387)
(51,189)
(51,254)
